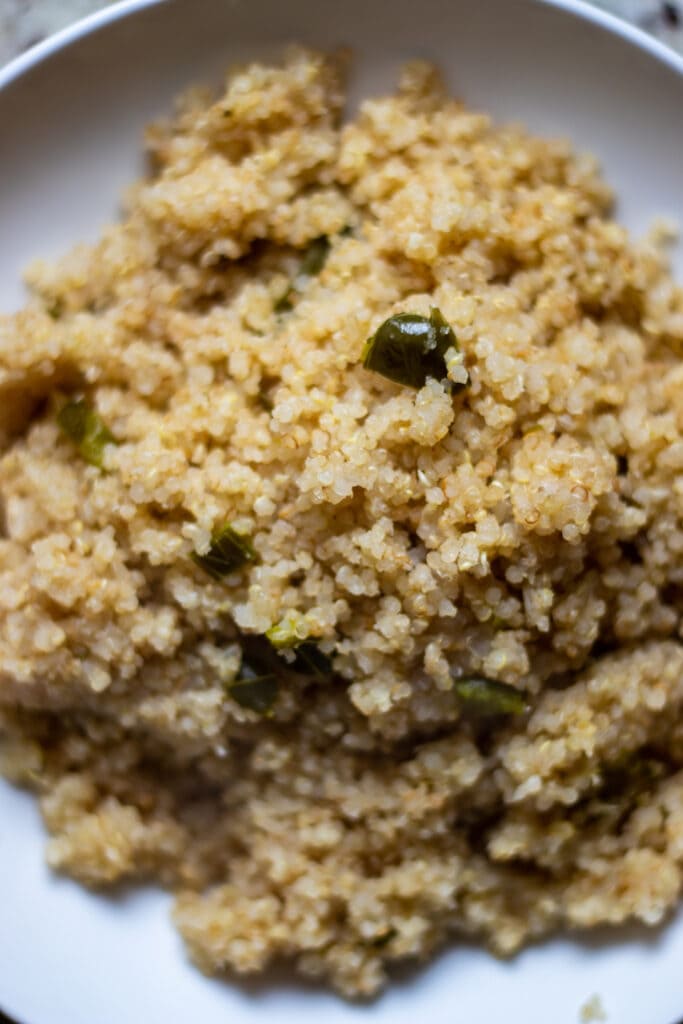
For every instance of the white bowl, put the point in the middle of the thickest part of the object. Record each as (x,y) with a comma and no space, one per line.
(71,115)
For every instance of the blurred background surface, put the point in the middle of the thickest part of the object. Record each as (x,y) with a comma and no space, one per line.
(25,22)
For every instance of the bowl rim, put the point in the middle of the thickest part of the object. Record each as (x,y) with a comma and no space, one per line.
(61,41)
(581,9)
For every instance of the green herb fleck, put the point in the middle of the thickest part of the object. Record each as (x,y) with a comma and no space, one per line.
(284,304)
(229,551)
(290,634)
(312,263)
(315,257)
(83,426)
(254,690)
(408,348)
(484,697)
(55,309)
(311,661)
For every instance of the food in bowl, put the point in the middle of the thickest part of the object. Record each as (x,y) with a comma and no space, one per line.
(342,558)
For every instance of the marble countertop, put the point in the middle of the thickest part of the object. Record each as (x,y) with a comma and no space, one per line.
(25,22)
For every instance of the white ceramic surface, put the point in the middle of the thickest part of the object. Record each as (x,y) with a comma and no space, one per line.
(71,114)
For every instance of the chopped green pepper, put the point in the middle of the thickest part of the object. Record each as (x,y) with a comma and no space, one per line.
(83,426)
(309,659)
(254,690)
(312,263)
(229,551)
(288,632)
(284,304)
(315,257)
(484,697)
(408,348)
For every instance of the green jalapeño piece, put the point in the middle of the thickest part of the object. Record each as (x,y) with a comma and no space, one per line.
(408,348)
(229,551)
(487,697)
(85,428)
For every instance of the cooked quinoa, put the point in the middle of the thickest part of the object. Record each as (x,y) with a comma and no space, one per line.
(518,522)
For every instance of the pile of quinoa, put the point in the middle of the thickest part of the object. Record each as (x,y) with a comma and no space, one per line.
(525,528)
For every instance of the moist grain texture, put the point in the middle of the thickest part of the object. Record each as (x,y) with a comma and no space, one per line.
(526,528)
